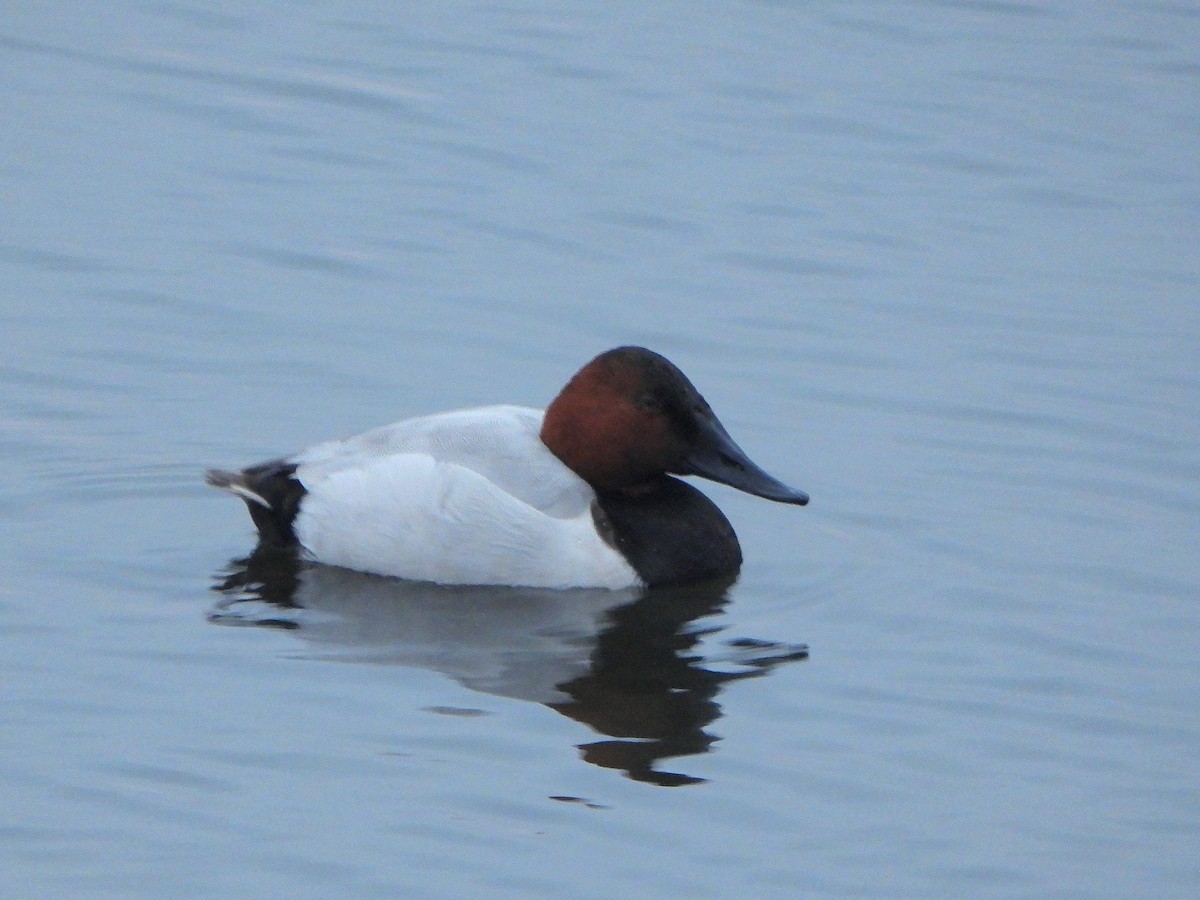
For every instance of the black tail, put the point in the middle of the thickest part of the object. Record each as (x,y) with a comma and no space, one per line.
(272,494)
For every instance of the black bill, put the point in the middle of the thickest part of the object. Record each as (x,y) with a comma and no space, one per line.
(716,457)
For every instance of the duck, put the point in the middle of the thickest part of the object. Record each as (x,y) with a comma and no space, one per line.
(583,494)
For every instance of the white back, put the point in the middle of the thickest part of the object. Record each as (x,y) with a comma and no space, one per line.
(501,443)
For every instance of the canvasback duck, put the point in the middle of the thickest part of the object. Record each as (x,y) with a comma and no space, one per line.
(580,495)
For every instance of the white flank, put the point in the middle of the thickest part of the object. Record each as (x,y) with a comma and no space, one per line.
(466,497)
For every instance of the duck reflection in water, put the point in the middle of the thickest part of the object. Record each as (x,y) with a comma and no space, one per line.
(628,664)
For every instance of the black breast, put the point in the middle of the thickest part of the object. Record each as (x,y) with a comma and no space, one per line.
(671,534)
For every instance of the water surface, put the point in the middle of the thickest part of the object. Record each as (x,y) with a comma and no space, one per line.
(936,264)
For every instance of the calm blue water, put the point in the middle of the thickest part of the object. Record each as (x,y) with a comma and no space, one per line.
(935,263)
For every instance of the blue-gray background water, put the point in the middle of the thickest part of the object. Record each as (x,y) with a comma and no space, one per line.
(934,262)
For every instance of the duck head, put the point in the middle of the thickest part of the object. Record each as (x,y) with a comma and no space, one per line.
(630,416)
